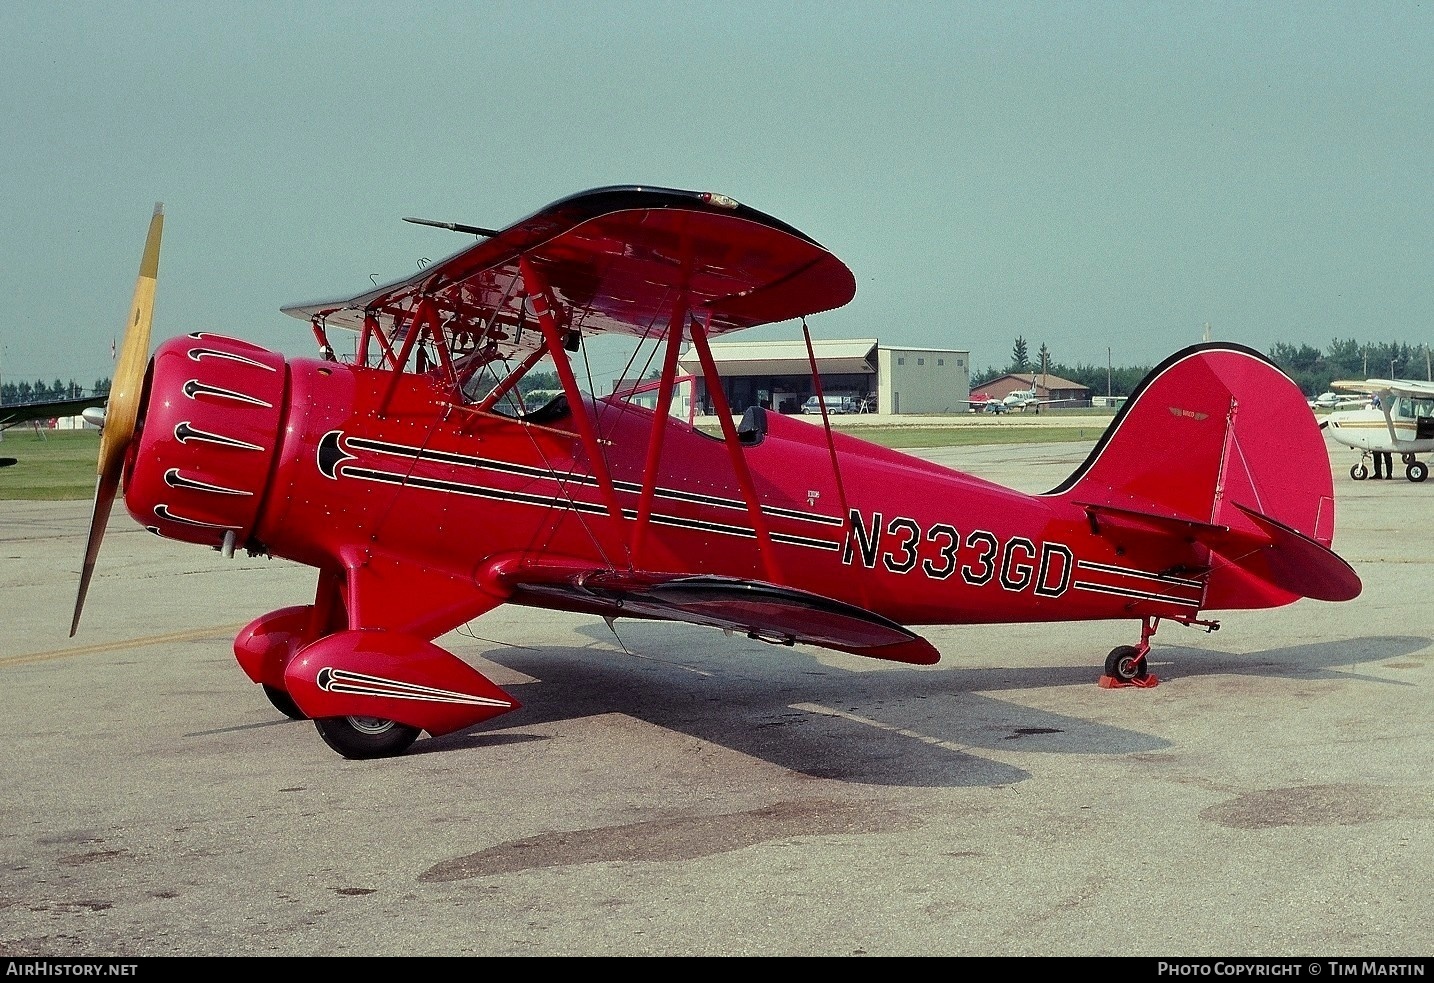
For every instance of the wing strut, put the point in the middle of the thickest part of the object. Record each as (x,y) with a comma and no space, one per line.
(734,449)
(827,426)
(659,425)
(512,378)
(371,329)
(326,351)
(440,342)
(538,295)
(424,314)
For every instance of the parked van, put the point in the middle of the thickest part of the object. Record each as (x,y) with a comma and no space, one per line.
(835,404)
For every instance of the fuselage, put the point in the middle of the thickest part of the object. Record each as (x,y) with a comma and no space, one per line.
(1408,428)
(411,496)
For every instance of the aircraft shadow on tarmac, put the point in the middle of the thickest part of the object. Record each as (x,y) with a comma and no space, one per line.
(902,726)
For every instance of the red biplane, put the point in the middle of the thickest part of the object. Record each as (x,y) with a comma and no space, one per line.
(425,494)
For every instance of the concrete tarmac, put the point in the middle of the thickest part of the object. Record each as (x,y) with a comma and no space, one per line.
(669,790)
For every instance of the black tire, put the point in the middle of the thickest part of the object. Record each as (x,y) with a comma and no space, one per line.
(1417,471)
(1359,472)
(361,738)
(284,703)
(1126,664)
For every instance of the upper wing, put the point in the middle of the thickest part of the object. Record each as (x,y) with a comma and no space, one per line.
(47,410)
(1403,387)
(618,259)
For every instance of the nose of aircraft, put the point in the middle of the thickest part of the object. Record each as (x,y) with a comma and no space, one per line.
(189,434)
(208,439)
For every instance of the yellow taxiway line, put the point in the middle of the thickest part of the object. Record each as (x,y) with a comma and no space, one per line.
(193,634)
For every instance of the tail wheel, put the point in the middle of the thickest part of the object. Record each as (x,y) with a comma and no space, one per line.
(360,738)
(1359,472)
(284,703)
(1126,663)
(1417,471)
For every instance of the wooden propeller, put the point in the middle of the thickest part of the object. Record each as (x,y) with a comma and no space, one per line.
(122,407)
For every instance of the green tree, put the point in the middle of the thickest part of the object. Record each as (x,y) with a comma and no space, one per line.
(539,380)
(979,377)
(1020,360)
(1304,357)
(1344,358)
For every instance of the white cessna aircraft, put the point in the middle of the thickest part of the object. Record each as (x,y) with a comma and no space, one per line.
(1399,421)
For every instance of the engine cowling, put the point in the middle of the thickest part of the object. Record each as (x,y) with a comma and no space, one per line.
(208,438)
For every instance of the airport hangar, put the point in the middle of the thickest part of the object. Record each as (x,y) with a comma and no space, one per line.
(881,378)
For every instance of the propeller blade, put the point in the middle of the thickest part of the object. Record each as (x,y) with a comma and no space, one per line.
(105,488)
(122,407)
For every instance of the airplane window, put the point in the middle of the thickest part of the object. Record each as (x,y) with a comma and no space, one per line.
(1423,407)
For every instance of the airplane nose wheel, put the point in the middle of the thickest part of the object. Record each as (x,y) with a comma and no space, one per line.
(1359,472)
(360,738)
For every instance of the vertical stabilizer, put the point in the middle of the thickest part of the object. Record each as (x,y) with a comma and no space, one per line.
(1219,438)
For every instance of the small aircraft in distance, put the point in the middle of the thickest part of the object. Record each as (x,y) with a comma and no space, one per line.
(1334,401)
(1021,399)
(49,409)
(1018,399)
(424,495)
(1399,420)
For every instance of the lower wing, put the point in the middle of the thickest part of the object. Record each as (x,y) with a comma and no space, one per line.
(767,612)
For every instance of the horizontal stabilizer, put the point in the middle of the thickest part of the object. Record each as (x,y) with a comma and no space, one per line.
(1294,562)
(1280,556)
(767,612)
(1102,516)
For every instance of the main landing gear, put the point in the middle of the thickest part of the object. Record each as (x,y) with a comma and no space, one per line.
(360,738)
(1126,665)
(1414,470)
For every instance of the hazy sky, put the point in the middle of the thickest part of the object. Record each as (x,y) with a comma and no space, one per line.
(1086,175)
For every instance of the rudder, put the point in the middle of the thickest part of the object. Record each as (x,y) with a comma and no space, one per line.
(1217,437)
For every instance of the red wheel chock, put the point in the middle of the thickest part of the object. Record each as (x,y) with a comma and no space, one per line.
(1143,682)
